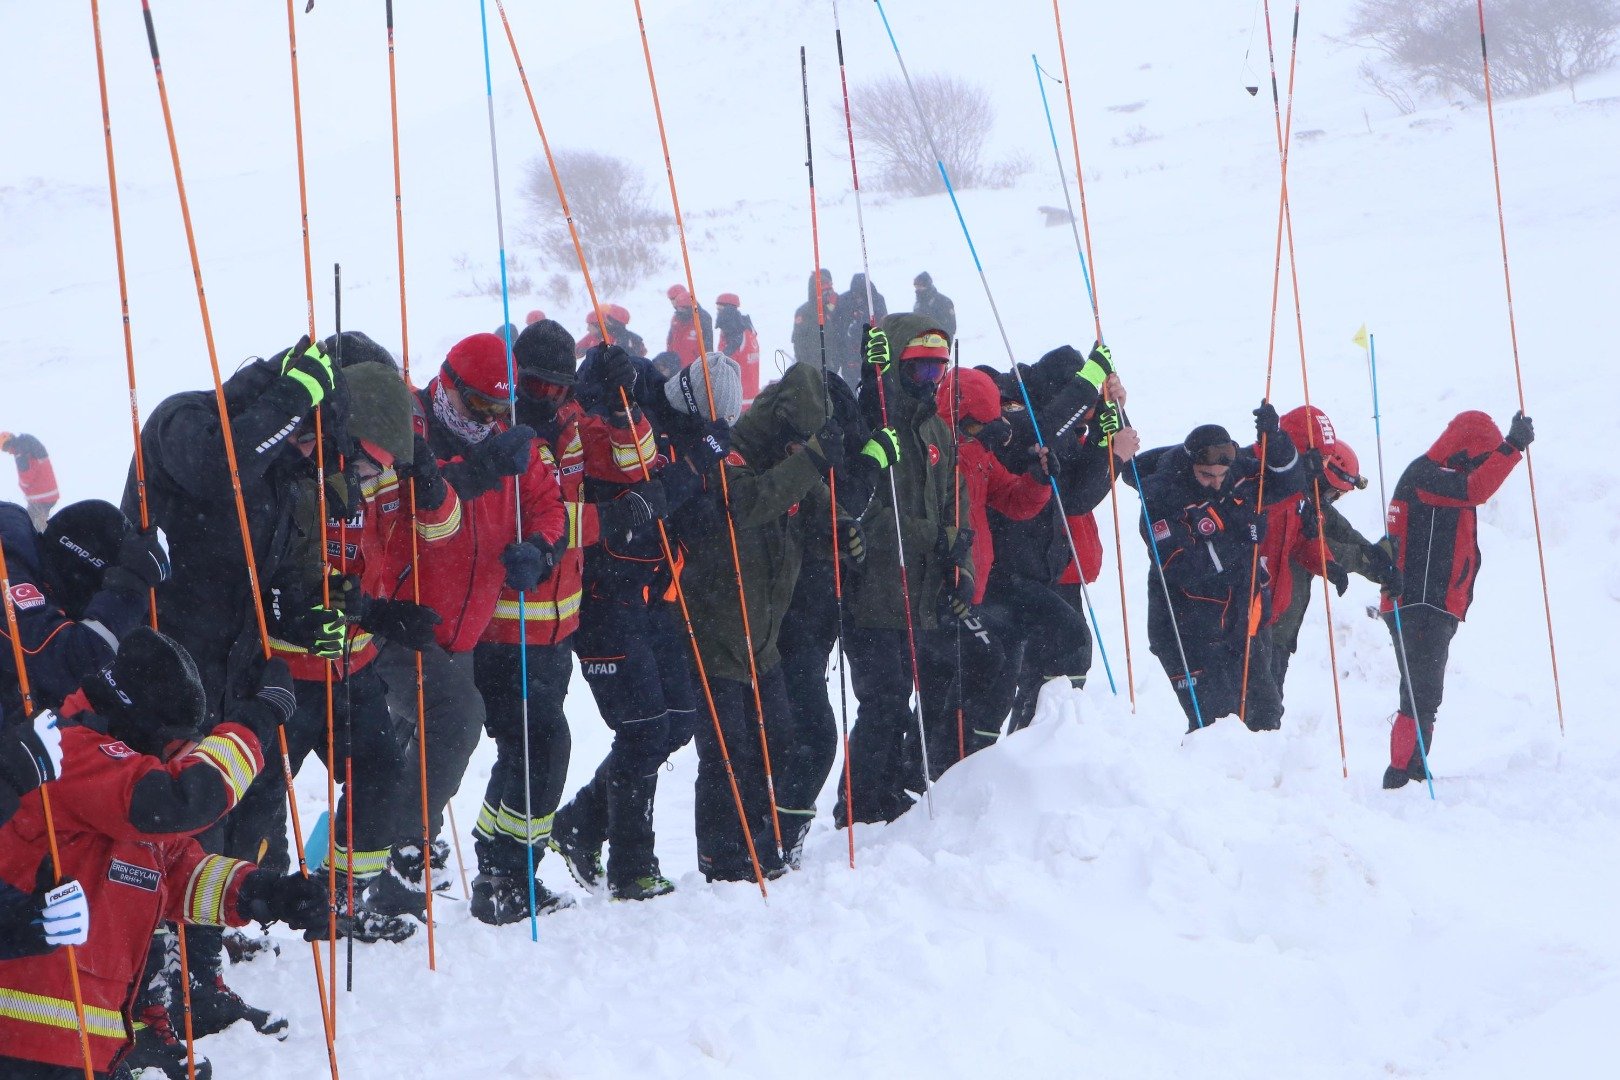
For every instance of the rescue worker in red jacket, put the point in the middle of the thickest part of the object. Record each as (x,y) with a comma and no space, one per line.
(463,415)
(617,317)
(536,635)
(738,341)
(1433,530)
(684,340)
(967,653)
(141,779)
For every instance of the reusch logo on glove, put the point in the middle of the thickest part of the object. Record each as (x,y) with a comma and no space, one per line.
(139,877)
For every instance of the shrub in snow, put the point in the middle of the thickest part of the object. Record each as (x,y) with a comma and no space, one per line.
(622,233)
(1433,45)
(958,113)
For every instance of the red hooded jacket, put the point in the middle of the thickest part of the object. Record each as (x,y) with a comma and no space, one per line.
(124,826)
(989,483)
(1433,516)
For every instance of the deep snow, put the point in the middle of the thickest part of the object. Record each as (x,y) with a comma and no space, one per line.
(1100,896)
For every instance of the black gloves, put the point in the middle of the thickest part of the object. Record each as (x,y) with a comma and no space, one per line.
(826,447)
(639,505)
(309,367)
(1380,567)
(143,563)
(316,629)
(528,563)
(852,540)
(503,454)
(957,549)
(267,707)
(402,622)
(875,348)
(615,369)
(1521,432)
(1266,421)
(300,902)
(31,754)
(1338,576)
(996,434)
(431,490)
(712,448)
(1044,464)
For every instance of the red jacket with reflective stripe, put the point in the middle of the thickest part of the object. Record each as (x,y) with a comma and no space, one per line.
(462,578)
(124,825)
(584,443)
(990,484)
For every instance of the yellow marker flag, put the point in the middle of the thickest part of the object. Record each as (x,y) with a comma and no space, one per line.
(1361,336)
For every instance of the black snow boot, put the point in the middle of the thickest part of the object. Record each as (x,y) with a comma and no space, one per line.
(157,1005)
(215,1006)
(498,899)
(578,831)
(362,922)
(632,865)
(405,862)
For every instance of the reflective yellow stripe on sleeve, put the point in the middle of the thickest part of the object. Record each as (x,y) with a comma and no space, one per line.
(448,527)
(58,1013)
(540,610)
(205,892)
(231,756)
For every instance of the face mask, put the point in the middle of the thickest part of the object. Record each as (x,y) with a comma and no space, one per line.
(469,431)
(996,433)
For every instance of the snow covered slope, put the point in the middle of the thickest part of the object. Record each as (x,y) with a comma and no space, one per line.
(1098,897)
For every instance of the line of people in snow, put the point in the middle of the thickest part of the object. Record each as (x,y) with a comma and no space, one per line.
(493,547)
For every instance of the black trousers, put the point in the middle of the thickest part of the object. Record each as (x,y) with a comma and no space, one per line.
(17,1069)
(962,667)
(722,848)
(514,818)
(1217,670)
(453,714)
(637,660)
(809,635)
(1427,633)
(1049,639)
(880,769)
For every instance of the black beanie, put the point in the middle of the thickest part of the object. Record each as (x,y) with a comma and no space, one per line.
(151,694)
(358,349)
(81,540)
(1205,436)
(547,350)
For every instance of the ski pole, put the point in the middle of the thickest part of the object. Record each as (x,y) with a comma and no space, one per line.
(832,474)
(229,441)
(139,457)
(416,561)
(1096,316)
(725,485)
(663,533)
(1395,600)
(1018,375)
(883,410)
(1518,371)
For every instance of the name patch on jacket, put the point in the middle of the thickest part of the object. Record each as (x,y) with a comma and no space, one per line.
(26,595)
(129,874)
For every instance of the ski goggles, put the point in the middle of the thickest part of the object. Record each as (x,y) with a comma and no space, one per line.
(483,406)
(1342,478)
(538,389)
(923,371)
(1219,454)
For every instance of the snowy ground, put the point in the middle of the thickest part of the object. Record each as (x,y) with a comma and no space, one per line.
(1097,897)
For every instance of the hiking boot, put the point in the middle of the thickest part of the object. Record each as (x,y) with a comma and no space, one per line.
(215,1007)
(499,900)
(644,887)
(157,1047)
(584,862)
(1394,778)
(389,893)
(243,947)
(405,861)
(362,923)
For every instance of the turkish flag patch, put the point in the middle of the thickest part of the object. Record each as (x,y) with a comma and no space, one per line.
(933,454)
(1206,527)
(1161,530)
(26,595)
(117,751)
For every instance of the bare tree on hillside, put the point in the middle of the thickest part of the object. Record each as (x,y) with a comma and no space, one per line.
(959,115)
(620,229)
(1534,44)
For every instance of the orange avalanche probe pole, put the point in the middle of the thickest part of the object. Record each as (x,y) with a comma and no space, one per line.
(1096,317)
(663,533)
(1518,371)
(725,487)
(236,490)
(45,805)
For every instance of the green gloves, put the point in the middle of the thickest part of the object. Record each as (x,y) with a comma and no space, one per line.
(1099,365)
(877,349)
(310,368)
(883,447)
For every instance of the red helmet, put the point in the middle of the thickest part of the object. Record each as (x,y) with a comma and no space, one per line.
(1341,467)
(727,298)
(619,314)
(1309,428)
(679,296)
(476,366)
(533,317)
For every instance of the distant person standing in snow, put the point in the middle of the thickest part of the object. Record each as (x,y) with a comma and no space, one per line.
(34,475)
(738,341)
(934,304)
(854,316)
(683,338)
(808,322)
(618,329)
(1433,531)
(1201,499)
